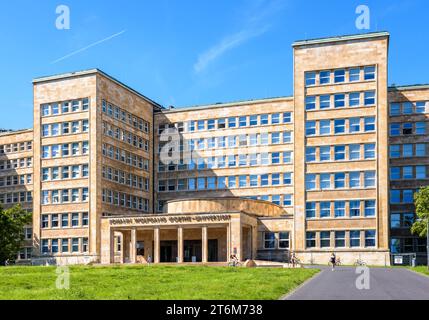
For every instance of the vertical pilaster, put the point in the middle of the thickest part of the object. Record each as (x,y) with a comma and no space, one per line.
(205,246)
(180,245)
(157,245)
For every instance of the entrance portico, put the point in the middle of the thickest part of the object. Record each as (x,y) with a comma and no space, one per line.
(209,230)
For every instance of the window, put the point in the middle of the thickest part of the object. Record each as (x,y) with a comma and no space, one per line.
(325,239)
(211,124)
(45,222)
(310,103)
(408,172)
(354,179)
(325,127)
(310,239)
(310,154)
(407,129)
(340,239)
(340,209)
(340,153)
(325,181)
(287,200)
(45,110)
(339,100)
(354,75)
(408,196)
(232,183)
(287,117)
(339,76)
(264,180)
(420,172)
(370,238)
(370,208)
(264,120)
(420,107)
(354,152)
(325,102)
(355,238)
(269,240)
(369,98)
(310,78)
(370,179)
(253,121)
(421,128)
(55,109)
(232,122)
(354,208)
(75,245)
(407,108)
(64,220)
(54,245)
(287,157)
(325,210)
(275,138)
(283,240)
(369,73)
(395,196)
(310,182)
(370,124)
(310,128)
(395,109)
(325,77)
(420,150)
(340,180)
(221,124)
(340,126)
(395,173)
(243,122)
(275,118)
(287,137)
(369,151)
(242,181)
(354,99)
(325,153)
(201,125)
(395,151)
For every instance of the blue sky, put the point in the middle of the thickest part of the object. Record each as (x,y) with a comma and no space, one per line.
(189,52)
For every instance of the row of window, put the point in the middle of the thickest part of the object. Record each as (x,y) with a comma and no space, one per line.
(340,126)
(408,150)
(341,209)
(16,164)
(338,100)
(124,178)
(64,220)
(408,108)
(16,197)
(340,180)
(65,128)
(16,147)
(125,157)
(276,240)
(285,200)
(69,245)
(57,108)
(402,196)
(125,136)
(408,172)
(337,76)
(233,161)
(23,179)
(123,200)
(124,116)
(245,140)
(402,220)
(406,129)
(229,123)
(65,172)
(65,150)
(408,245)
(77,195)
(352,152)
(341,239)
(223,183)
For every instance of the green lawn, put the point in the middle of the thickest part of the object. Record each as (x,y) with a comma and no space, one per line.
(151,283)
(423,270)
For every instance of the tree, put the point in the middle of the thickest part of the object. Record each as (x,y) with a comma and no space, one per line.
(421,201)
(12,223)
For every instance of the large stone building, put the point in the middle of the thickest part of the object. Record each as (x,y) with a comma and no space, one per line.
(116,177)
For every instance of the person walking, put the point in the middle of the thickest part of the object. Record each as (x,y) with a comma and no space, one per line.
(333,260)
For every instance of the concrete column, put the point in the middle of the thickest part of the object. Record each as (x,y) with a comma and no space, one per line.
(205,245)
(228,243)
(180,245)
(126,246)
(157,245)
(236,238)
(133,246)
(254,242)
(112,247)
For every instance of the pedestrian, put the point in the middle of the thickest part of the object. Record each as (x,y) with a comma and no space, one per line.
(293,259)
(333,260)
(149,260)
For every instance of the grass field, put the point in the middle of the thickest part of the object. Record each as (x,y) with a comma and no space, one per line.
(423,270)
(151,283)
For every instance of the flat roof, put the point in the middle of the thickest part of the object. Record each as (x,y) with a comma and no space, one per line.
(91,72)
(13,132)
(226,105)
(341,38)
(409,87)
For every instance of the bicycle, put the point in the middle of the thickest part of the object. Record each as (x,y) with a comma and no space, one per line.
(360,263)
(235,264)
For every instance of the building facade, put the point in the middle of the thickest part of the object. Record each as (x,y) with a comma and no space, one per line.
(119,178)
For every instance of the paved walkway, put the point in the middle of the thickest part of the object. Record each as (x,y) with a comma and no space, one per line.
(385,284)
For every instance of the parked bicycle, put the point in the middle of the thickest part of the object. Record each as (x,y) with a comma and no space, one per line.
(360,263)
